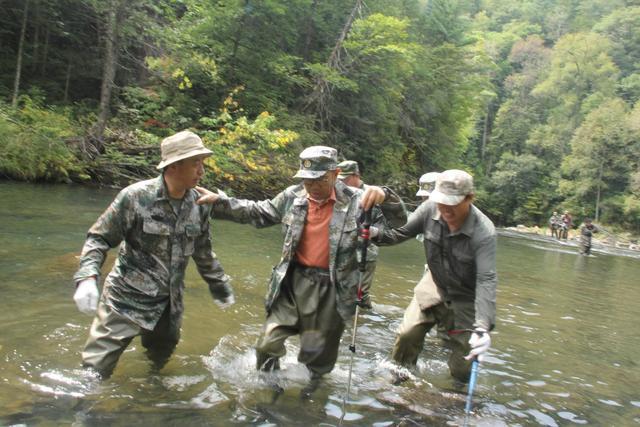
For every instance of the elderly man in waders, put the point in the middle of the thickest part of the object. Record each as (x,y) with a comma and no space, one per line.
(313,288)
(350,175)
(158,226)
(459,289)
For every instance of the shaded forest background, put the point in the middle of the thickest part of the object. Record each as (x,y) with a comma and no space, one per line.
(538,99)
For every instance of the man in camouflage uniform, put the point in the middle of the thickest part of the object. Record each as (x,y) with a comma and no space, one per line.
(554,224)
(459,288)
(350,175)
(586,232)
(158,227)
(313,289)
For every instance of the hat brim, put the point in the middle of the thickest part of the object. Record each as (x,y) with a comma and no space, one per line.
(445,199)
(423,193)
(307,174)
(163,164)
(345,175)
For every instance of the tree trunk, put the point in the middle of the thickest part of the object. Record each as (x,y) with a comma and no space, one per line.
(108,71)
(66,83)
(309,31)
(45,53)
(597,215)
(321,95)
(16,82)
(485,134)
(36,36)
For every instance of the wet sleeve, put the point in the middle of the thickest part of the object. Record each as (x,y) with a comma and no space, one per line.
(390,236)
(258,213)
(209,266)
(486,283)
(107,232)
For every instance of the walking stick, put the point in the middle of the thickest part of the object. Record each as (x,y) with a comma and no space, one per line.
(472,385)
(362,267)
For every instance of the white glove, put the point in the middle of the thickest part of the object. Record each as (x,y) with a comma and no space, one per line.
(86,296)
(226,302)
(480,342)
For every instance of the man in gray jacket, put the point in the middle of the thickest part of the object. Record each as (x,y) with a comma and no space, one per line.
(459,289)
(158,227)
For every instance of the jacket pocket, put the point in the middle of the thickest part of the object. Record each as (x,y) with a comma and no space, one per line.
(155,237)
(192,231)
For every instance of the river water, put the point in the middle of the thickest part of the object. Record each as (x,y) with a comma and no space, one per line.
(565,351)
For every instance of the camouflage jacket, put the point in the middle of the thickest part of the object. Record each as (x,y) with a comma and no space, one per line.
(155,246)
(289,208)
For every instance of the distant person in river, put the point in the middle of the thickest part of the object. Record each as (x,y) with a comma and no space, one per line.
(554,224)
(459,288)
(157,226)
(566,224)
(350,175)
(586,232)
(313,288)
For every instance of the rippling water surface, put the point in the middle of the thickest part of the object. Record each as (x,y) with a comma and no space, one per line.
(564,352)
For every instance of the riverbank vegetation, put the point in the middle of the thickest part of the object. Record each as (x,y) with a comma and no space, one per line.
(537,98)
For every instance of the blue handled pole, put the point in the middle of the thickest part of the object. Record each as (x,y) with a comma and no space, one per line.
(472,384)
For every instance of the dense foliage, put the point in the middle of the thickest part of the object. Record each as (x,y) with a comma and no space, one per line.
(539,99)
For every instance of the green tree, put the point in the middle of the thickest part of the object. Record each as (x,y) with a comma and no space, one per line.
(598,167)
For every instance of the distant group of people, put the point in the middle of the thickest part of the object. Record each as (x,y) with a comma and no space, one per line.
(560,225)
(159,224)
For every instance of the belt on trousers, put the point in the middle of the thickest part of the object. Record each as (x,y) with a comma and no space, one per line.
(311,270)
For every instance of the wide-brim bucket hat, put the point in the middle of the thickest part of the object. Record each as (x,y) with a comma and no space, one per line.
(181,146)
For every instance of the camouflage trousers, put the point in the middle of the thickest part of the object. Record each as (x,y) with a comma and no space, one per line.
(111,333)
(416,323)
(306,306)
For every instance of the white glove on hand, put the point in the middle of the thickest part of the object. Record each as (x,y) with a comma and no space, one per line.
(226,302)
(86,296)
(480,342)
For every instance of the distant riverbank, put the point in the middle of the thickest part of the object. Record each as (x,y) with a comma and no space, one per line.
(604,238)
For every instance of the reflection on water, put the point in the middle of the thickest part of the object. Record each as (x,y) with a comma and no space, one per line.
(564,350)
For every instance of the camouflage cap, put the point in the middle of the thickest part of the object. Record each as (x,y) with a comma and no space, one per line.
(348,167)
(316,161)
(180,146)
(427,183)
(452,186)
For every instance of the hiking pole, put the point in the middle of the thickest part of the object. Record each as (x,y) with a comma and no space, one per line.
(472,385)
(362,268)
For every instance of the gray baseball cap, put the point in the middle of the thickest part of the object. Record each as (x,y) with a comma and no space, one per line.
(180,146)
(315,161)
(347,168)
(452,186)
(427,183)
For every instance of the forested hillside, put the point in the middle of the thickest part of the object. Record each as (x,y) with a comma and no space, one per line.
(539,99)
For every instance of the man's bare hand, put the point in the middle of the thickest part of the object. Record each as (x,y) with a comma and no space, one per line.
(372,196)
(206,196)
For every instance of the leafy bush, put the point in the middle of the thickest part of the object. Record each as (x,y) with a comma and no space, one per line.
(34,144)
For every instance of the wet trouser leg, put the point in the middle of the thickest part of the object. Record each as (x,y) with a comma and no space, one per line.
(163,339)
(462,317)
(306,305)
(410,338)
(109,336)
(321,326)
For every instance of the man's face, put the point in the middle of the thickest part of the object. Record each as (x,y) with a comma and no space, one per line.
(190,170)
(455,215)
(320,188)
